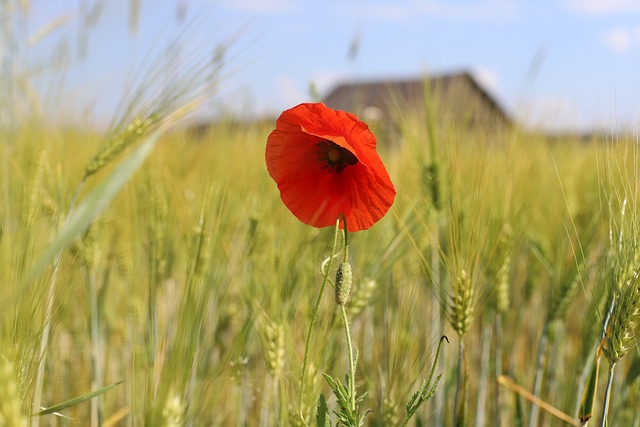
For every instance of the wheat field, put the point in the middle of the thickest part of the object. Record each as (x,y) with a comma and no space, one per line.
(152,276)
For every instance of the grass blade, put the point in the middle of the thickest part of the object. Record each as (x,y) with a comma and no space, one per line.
(94,204)
(76,400)
(589,396)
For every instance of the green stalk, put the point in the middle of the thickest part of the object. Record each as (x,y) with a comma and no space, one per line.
(460,396)
(484,376)
(607,395)
(314,318)
(352,368)
(44,342)
(537,384)
(428,388)
(96,348)
(437,319)
(498,362)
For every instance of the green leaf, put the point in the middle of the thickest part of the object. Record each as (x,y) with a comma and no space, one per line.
(589,395)
(413,398)
(322,417)
(432,392)
(76,400)
(338,389)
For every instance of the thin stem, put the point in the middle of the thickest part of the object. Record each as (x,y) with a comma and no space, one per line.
(537,383)
(314,318)
(484,376)
(96,348)
(427,389)
(607,395)
(436,318)
(460,393)
(346,234)
(352,368)
(44,343)
(498,362)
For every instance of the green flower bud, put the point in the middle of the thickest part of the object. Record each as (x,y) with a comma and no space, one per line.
(343,283)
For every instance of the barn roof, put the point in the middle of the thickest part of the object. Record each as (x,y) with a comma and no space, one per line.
(453,89)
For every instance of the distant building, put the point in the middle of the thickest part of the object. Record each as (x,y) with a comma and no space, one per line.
(457,99)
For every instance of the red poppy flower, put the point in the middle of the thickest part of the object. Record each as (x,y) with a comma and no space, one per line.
(325,164)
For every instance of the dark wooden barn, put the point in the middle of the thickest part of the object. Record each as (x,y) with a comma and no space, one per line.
(457,99)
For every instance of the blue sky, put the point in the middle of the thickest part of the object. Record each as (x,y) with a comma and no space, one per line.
(565,64)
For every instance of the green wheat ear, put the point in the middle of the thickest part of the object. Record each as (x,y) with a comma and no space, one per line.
(390,411)
(503,297)
(621,332)
(119,142)
(33,193)
(461,309)
(361,297)
(274,339)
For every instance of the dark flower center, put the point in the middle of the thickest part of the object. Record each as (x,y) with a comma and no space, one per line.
(334,157)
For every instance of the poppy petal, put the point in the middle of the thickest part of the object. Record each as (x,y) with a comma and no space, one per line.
(317,191)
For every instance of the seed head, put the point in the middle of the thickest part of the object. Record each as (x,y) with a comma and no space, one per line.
(274,337)
(622,328)
(502,286)
(344,277)
(461,308)
(362,294)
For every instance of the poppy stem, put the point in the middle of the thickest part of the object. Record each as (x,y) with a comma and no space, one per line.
(314,318)
(352,367)
(346,234)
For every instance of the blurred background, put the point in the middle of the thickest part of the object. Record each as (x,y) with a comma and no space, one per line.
(565,65)
(157,266)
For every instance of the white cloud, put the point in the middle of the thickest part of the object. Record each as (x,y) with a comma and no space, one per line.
(413,10)
(290,92)
(262,6)
(553,112)
(326,80)
(390,12)
(622,39)
(488,78)
(618,39)
(488,10)
(604,7)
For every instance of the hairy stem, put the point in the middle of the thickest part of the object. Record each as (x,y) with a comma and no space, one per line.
(314,318)
(352,368)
